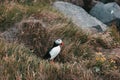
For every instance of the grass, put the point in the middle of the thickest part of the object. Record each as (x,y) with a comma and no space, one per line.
(116,36)
(18,62)
(12,13)
(77,61)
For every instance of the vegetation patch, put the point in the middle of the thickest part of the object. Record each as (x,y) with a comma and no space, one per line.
(39,26)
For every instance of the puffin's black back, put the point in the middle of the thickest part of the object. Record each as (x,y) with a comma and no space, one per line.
(47,55)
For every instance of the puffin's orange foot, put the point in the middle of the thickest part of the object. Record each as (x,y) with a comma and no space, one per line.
(51,62)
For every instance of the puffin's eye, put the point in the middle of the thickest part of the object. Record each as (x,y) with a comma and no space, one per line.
(58,40)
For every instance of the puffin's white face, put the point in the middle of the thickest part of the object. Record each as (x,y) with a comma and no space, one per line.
(59,41)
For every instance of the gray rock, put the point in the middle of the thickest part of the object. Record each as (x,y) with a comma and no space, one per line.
(76,2)
(79,16)
(106,12)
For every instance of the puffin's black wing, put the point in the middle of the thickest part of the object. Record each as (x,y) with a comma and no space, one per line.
(47,55)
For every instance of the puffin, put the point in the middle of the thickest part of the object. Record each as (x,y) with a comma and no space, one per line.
(54,51)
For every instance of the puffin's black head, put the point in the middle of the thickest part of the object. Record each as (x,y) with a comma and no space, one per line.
(57,42)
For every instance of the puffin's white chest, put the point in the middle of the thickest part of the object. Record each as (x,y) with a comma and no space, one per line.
(54,52)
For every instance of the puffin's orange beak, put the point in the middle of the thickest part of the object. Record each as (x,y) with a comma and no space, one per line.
(62,44)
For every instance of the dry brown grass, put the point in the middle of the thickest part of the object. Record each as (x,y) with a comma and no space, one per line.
(115,35)
(77,60)
(39,37)
(17,62)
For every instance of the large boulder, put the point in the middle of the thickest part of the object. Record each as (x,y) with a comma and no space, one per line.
(79,16)
(76,2)
(86,4)
(106,12)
